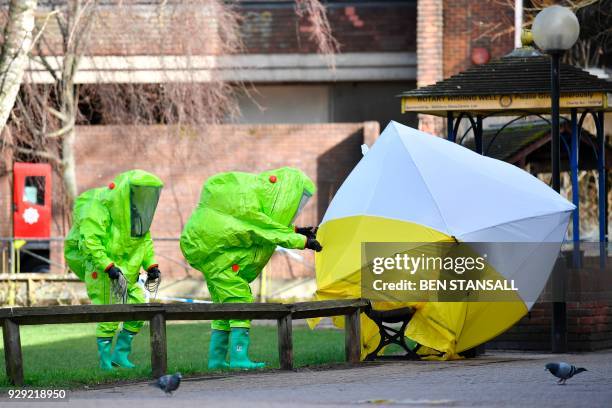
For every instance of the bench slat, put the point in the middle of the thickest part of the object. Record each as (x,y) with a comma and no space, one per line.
(104,313)
(326,308)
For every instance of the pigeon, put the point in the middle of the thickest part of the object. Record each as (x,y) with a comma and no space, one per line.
(168,383)
(563,371)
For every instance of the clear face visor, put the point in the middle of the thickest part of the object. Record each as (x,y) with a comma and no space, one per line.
(143,202)
(303,201)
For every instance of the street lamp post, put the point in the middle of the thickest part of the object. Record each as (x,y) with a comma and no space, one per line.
(555,30)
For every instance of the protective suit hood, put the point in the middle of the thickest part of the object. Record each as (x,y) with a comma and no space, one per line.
(283,193)
(131,200)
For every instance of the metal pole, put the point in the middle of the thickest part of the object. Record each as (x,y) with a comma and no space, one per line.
(450,134)
(478,134)
(12,285)
(601,176)
(559,312)
(554,111)
(574,168)
(12,255)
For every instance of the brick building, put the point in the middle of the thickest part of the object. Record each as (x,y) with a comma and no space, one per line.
(452,35)
(294,85)
(379,42)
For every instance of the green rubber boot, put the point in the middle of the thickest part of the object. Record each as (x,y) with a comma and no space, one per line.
(123,348)
(104,352)
(217,350)
(239,351)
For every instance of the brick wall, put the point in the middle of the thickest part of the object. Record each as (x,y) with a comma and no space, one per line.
(589,327)
(138,30)
(430,55)
(183,159)
(471,23)
(589,314)
(448,31)
(380,26)
(448,28)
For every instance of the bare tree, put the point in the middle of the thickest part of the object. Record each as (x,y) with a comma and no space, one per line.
(175,43)
(321,32)
(595,18)
(14,56)
(51,105)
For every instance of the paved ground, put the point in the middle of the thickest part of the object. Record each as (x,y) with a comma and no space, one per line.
(496,379)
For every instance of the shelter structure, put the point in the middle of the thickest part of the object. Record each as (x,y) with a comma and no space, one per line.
(518,86)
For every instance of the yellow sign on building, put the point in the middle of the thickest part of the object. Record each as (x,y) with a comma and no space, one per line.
(534,101)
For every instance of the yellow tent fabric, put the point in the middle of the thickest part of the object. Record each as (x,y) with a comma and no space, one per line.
(448,327)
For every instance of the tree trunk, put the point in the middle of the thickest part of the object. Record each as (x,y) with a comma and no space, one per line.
(68,110)
(14,57)
(68,104)
(69,173)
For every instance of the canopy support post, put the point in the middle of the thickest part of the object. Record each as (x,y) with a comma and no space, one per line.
(478,134)
(603,191)
(450,134)
(559,312)
(574,168)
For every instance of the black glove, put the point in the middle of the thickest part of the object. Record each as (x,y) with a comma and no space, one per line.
(310,232)
(114,272)
(153,273)
(313,244)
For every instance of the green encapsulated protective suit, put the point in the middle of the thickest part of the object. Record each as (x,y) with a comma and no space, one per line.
(111,228)
(239,221)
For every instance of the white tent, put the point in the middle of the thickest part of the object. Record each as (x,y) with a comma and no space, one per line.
(412,186)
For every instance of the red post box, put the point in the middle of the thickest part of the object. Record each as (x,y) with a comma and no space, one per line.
(32,200)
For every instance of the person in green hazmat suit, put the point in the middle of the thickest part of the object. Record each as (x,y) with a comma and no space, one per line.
(237,225)
(107,245)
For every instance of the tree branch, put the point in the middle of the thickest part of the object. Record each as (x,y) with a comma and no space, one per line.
(59,115)
(62,131)
(38,153)
(42,29)
(45,63)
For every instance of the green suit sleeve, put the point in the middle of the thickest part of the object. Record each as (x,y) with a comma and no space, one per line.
(149,255)
(94,224)
(263,230)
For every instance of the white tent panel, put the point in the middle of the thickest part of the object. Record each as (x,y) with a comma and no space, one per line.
(512,250)
(413,176)
(386,183)
(474,191)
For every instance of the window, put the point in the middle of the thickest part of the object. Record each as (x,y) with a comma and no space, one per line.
(34,190)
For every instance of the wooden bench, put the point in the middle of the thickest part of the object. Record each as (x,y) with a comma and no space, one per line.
(157,314)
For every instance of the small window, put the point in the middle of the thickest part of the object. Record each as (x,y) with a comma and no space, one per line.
(34,190)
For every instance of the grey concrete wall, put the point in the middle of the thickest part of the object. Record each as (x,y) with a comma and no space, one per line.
(340,102)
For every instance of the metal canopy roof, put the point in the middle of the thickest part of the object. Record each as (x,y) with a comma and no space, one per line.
(517,81)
